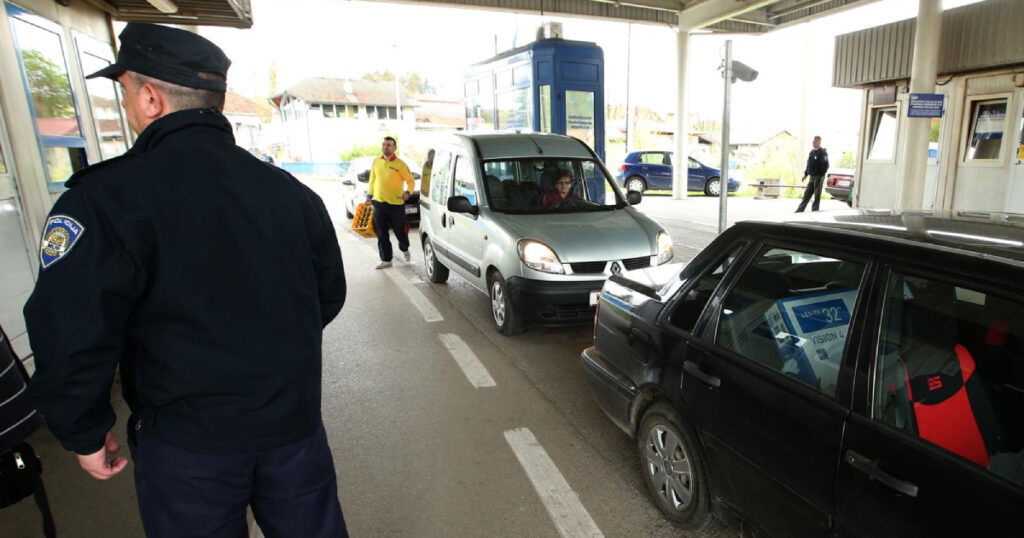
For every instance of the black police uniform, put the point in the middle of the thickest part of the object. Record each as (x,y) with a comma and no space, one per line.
(207,275)
(817,165)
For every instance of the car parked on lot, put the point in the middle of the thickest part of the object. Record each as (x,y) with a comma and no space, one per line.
(356,179)
(494,217)
(859,374)
(652,170)
(839,184)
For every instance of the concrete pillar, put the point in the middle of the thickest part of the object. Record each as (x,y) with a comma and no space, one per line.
(680,163)
(914,159)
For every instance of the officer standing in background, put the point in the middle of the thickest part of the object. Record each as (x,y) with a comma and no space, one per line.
(208,277)
(817,166)
(387,175)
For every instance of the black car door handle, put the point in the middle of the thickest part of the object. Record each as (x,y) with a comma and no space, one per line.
(870,468)
(694,370)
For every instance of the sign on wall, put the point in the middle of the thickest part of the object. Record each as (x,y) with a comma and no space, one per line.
(925,105)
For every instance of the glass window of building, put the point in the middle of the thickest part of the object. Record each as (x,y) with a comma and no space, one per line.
(514,109)
(104,99)
(545,108)
(580,115)
(40,49)
(988,121)
(883,134)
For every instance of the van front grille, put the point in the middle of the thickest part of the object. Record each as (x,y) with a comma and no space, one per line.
(637,263)
(588,267)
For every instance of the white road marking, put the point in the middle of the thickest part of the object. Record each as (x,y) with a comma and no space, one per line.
(471,366)
(415,296)
(562,503)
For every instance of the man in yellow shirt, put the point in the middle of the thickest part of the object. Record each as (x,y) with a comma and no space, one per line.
(387,176)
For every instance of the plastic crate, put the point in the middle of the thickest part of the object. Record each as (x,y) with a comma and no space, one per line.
(362,222)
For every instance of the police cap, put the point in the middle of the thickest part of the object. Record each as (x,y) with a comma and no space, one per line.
(168,54)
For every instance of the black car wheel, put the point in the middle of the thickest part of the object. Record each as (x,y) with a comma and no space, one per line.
(636,183)
(713,187)
(436,271)
(672,468)
(506,319)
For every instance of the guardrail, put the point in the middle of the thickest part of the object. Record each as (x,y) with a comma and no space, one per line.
(770,188)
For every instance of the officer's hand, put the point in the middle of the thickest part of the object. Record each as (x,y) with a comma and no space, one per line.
(804,178)
(102,464)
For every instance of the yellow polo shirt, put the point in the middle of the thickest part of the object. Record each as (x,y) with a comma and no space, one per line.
(386,179)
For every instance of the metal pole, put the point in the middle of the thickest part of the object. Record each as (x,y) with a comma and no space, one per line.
(629,41)
(680,164)
(723,179)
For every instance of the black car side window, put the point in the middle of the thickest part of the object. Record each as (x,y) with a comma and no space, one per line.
(950,370)
(696,296)
(790,311)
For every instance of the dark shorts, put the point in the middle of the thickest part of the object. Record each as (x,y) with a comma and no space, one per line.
(292,490)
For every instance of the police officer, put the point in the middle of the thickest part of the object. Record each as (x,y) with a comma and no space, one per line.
(208,277)
(817,165)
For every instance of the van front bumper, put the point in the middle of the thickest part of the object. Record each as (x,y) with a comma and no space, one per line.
(553,302)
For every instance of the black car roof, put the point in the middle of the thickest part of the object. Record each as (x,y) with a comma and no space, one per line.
(990,235)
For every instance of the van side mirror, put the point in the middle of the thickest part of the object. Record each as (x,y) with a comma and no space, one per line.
(633,197)
(460,204)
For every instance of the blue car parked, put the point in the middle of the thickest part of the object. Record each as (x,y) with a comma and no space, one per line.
(644,170)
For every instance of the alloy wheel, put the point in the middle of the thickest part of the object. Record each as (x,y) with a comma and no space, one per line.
(428,258)
(498,303)
(668,467)
(635,185)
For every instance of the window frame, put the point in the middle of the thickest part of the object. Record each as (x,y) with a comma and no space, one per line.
(970,124)
(702,267)
(85,44)
(707,326)
(45,142)
(869,141)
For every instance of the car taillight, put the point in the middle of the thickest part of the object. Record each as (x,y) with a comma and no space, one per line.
(622,168)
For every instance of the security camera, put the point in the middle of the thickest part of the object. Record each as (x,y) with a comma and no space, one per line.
(743,72)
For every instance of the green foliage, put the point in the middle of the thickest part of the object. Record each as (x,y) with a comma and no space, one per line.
(367,150)
(846,160)
(412,82)
(780,158)
(51,90)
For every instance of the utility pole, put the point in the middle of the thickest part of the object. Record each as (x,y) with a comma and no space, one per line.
(723,176)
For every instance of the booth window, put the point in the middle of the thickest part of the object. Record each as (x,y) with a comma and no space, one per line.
(514,109)
(104,99)
(580,115)
(933,140)
(545,108)
(883,134)
(41,51)
(988,120)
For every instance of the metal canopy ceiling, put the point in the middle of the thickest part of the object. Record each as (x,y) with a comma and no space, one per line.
(722,16)
(235,13)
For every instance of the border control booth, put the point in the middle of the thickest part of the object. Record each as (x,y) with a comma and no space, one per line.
(548,86)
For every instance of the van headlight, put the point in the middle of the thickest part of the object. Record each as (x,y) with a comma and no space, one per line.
(537,255)
(664,247)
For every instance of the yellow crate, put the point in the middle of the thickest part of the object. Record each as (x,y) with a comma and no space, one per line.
(362,222)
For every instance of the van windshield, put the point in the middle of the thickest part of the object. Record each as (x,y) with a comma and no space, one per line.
(548,186)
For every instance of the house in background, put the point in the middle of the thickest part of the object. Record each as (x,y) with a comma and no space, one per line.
(440,114)
(744,146)
(249,119)
(321,117)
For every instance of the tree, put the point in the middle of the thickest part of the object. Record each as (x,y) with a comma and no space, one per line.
(51,90)
(779,158)
(412,82)
(846,160)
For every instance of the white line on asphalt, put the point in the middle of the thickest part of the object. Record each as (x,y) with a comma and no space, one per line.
(415,296)
(562,503)
(471,366)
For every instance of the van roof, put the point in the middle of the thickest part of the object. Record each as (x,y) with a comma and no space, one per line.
(509,145)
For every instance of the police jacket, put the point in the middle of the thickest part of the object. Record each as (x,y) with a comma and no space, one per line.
(817,162)
(206,274)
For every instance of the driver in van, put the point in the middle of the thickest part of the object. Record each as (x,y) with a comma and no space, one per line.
(562,192)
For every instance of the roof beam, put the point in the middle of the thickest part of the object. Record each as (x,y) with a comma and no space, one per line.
(713,11)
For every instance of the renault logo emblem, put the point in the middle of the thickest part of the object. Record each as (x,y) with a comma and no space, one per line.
(616,268)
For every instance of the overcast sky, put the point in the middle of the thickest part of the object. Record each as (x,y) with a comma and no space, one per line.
(341,38)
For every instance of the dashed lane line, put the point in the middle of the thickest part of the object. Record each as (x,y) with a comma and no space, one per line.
(471,366)
(561,502)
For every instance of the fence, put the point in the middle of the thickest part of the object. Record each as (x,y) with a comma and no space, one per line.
(770,188)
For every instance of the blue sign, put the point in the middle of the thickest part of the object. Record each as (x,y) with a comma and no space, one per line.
(819,316)
(925,105)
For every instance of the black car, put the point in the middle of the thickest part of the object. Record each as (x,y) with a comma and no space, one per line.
(854,375)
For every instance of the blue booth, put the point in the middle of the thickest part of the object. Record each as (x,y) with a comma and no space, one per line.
(548,86)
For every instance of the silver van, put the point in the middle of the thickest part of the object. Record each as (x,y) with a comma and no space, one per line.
(533,220)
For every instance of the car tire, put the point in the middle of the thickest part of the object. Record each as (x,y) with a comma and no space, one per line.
(503,312)
(713,186)
(635,183)
(666,440)
(436,271)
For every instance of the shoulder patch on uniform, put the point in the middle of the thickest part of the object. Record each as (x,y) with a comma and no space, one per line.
(60,235)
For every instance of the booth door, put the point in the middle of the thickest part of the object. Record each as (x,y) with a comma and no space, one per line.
(16,262)
(1017,159)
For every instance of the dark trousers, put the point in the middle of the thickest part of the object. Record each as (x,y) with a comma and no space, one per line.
(813,189)
(292,490)
(389,217)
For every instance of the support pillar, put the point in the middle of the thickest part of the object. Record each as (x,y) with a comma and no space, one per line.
(680,162)
(914,158)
